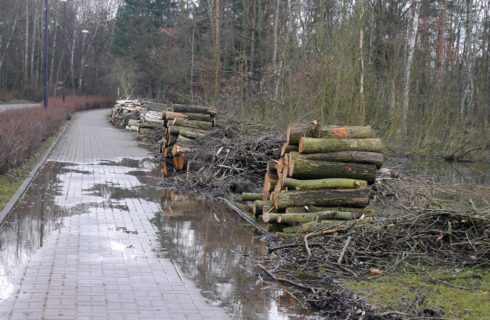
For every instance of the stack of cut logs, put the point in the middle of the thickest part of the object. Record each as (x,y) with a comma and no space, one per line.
(321,179)
(125,113)
(185,123)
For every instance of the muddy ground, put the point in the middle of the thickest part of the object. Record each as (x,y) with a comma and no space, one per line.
(418,225)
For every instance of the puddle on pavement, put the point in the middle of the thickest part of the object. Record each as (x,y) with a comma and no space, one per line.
(210,245)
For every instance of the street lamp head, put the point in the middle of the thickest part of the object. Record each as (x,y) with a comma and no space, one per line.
(63,0)
(85,31)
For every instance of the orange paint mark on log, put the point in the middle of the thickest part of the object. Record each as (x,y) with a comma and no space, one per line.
(340,132)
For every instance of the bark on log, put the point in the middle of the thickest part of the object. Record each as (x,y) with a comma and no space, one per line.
(363,157)
(183,108)
(190,133)
(248,196)
(176,130)
(297,218)
(322,198)
(202,125)
(314,226)
(313,145)
(369,212)
(338,183)
(344,132)
(170,115)
(150,125)
(286,148)
(176,150)
(307,169)
(259,207)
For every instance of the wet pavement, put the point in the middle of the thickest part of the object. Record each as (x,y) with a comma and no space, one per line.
(93,239)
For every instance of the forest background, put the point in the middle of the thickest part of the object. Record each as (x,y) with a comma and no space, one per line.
(416,70)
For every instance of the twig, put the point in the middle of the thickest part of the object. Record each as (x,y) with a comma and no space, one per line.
(342,253)
(287,281)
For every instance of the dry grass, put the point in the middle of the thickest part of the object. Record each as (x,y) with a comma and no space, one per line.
(23,131)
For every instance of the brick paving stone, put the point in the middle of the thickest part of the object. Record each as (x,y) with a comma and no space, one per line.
(85,268)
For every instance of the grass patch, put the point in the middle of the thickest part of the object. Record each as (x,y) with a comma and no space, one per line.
(13,179)
(458,294)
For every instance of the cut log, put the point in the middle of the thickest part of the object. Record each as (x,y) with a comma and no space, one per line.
(247,196)
(176,130)
(337,183)
(314,226)
(307,169)
(296,218)
(314,145)
(344,132)
(194,109)
(201,117)
(368,212)
(189,133)
(257,209)
(176,150)
(357,198)
(150,125)
(295,131)
(270,180)
(363,157)
(286,148)
(202,125)
(170,115)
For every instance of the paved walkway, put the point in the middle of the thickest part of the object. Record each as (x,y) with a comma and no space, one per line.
(81,244)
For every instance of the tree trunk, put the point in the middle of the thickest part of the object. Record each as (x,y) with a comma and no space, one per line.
(247,196)
(307,169)
(26,45)
(412,38)
(339,183)
(358,198)
(341,156)
(183,108)
(313,145)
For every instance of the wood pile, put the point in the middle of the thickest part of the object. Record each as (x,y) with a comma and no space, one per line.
(183,124)
(321,180)
(125,110)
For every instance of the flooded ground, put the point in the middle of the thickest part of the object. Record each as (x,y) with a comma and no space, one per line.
(206,241)
(440,170)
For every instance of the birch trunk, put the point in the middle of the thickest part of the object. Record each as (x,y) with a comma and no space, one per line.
(26,46)
(468,58)
(412,38)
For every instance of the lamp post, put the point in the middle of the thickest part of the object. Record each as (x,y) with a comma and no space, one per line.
(63,61)
(46,53)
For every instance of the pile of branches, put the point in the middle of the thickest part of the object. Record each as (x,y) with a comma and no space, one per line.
(228,161)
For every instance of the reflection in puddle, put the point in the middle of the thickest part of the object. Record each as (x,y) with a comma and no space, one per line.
(216,250)
(207,241)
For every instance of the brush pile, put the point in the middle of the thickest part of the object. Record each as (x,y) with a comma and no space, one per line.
(321,179)
(184,124)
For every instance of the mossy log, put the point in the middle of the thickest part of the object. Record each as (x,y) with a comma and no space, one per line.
(369,212)
(185,108)
(295,131)
(188,132)
(202,125)
(362,157)
(259,207)
(314,145)
(296,218)
(308,169)
(248,196)
(314,226)
(150,125)
(356,198)
(286,148)
(332,183)
(344,132)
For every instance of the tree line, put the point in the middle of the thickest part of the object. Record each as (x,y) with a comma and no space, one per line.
(417,70)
